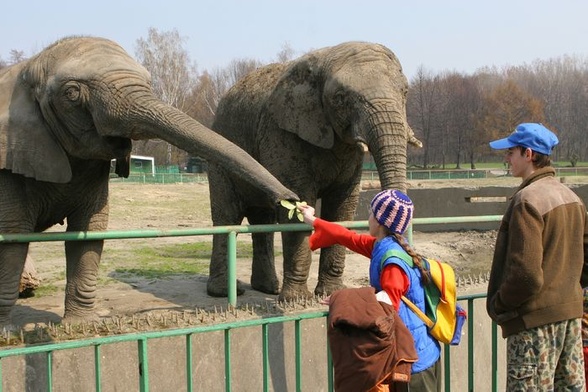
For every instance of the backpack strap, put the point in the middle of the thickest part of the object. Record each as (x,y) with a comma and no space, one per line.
(440,285)
(402,255)
(418,312)
(408,260)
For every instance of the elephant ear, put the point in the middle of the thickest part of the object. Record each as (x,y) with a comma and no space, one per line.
(27,146)
(295,104)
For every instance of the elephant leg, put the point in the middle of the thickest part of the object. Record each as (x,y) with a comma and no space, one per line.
(12,260)
(263,274)
(225,210)
(331,266)
(335,207)
(217,284)
(297,261)
(82,263)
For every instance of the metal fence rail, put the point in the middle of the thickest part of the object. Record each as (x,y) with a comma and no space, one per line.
(142,338)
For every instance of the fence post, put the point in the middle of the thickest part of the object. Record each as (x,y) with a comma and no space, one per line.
(232,268)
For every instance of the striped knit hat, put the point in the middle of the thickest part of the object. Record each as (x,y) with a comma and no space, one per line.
(393,210)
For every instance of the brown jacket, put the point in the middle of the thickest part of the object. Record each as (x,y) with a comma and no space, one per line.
(368,341)
(540,255)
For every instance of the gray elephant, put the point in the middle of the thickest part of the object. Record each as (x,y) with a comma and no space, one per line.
(307,122)
(64,114)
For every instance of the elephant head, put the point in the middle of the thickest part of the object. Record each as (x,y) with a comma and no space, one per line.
(354,91)
(86,98)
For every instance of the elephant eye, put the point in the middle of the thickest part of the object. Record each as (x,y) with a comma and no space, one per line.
(338,99)
(72,92)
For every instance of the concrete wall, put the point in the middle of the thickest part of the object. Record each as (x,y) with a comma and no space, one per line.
(73,369)
(449,202)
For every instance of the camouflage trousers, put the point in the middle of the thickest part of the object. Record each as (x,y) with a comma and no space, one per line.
(546,358)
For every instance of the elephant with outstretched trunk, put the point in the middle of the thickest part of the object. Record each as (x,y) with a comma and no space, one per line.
(64,114)
(307,122)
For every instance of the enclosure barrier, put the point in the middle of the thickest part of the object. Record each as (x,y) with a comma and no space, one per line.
(462,174)
(231,231)
(368,174)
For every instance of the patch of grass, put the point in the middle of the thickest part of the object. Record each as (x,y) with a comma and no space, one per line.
(46,290)
(188,250)
(160,272)
(154,262)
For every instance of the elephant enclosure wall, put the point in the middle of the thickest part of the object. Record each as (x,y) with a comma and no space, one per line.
(458,201)
(73,370)
(120,366)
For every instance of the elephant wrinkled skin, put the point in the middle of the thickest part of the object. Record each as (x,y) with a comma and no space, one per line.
(64,114)
(307,122)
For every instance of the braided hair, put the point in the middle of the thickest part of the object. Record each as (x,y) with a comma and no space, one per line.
(416,258)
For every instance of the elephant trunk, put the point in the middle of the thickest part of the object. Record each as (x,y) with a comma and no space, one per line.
(172,125)
(386,138)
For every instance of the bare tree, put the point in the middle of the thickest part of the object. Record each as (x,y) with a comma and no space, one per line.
(237,69)
(561,84)
(205,96)
(423,112)
(286,54)
(507,106)
(172,72)
(211,86)
(173,77)
(463,105)
(16,56)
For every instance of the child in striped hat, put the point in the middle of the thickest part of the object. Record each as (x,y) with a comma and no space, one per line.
(391,213)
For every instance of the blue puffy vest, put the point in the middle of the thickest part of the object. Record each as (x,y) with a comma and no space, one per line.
(427,347)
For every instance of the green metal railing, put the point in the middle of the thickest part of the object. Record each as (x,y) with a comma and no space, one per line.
(142,351)
(142,339)
(231,231)
(162,178)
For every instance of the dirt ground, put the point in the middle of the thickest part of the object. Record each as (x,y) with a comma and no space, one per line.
(181,206)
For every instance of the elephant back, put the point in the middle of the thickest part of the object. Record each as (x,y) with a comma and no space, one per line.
(239,110)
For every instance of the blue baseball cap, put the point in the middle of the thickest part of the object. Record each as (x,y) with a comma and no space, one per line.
(529,135)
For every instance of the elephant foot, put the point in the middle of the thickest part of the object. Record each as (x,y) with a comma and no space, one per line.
(294,293)
(268,286)
(217,287)
(6,325)
(5,319)
(323,289)
(79,318)
(27,293)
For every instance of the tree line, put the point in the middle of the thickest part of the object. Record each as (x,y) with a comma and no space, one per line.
(454,114)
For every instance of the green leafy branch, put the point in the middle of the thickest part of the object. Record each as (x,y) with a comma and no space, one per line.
(293,208)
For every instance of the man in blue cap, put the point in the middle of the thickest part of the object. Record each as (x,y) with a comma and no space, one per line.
(539,269)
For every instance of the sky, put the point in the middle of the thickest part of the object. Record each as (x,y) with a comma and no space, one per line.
(438,35)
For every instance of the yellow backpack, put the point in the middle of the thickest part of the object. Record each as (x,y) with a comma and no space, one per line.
(443,315)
